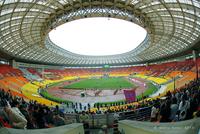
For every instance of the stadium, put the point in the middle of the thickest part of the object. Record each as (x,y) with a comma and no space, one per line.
(151,86)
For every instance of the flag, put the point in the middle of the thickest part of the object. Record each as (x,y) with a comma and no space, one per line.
(130,95)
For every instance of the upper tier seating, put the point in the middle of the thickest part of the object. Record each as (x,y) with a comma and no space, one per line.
(6,70)
(29,75)
(34,72)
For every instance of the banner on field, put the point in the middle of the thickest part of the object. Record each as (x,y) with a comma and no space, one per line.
(130,95)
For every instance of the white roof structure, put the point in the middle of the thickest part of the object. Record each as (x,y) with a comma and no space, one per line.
(173,26)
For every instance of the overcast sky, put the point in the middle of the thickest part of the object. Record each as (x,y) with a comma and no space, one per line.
(98,36)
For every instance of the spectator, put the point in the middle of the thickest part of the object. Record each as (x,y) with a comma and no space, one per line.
(24,111)
(16,118)
(38,115)
(84,118)
(154,113)
(116,116)
(58,120)
(165,111)
(183,108)
(173,109)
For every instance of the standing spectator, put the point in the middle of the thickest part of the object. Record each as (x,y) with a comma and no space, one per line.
(38,115)
(27,116)
(193,106)
(154,113)
(178,95)
(84,118)
(165,111)
(173,109)
(116,116)
(183,108)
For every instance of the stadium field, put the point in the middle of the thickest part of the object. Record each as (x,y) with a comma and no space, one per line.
(101,83)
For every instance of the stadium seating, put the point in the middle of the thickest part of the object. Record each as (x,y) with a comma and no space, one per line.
(34,72)
(14,81)
(27,82)
(29,75)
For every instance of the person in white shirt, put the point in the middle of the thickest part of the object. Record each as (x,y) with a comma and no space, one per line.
(154,112)
(116,116)
(16,118)
(183,107)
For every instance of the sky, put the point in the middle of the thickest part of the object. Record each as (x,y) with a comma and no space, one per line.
(98,36)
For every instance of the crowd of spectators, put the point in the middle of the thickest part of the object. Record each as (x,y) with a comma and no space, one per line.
(179,105)
(15,112)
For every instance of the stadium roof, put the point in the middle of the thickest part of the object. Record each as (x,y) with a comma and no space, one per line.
(173,27)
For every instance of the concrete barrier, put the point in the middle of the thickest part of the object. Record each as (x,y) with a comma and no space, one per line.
(75,128)
(137,127)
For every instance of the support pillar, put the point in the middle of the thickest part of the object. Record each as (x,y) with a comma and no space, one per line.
(194,52)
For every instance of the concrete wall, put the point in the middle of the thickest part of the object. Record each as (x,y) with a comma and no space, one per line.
(75,128)
(138,127)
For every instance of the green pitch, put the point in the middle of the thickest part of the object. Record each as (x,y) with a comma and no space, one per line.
(101,83)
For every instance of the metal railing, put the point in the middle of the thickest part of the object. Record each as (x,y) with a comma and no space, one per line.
(98,120)
(141,114)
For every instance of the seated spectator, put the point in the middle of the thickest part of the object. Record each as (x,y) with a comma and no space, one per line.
(16,118)
(58,120)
